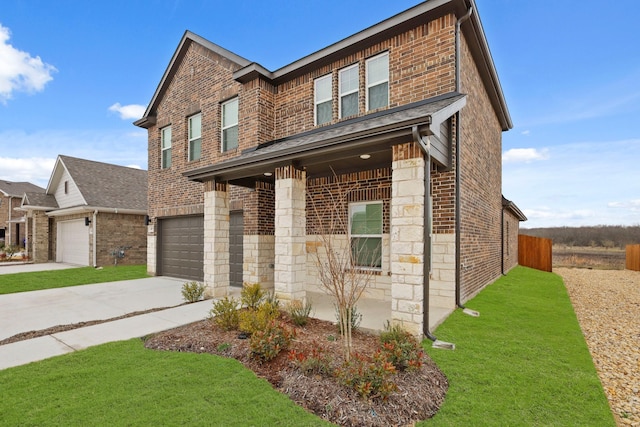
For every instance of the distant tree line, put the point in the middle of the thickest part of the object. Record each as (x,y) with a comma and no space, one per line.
(606,236)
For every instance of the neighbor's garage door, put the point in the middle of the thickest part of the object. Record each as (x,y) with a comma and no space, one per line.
(73,242)
(181,251)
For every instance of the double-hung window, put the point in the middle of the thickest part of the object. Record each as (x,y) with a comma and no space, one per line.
(322,99)
(230,125)
(165,137)
(195,137)
(365,234)
(348,83)
(378,82)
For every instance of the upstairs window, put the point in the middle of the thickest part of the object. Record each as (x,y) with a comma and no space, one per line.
(323,100)
(378,82)
(195,137)
(365,234)
(165,147)
(230,125)
(348,82)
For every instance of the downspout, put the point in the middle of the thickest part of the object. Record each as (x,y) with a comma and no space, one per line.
(457,168)
(427,232)
(95,239)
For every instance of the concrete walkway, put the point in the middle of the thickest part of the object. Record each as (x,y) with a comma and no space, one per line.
(27,311)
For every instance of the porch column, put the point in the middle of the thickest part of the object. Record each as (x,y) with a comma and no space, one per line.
(407,237)
(290,233)
(216,239)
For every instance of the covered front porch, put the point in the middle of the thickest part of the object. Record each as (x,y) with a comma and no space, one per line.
(387,157)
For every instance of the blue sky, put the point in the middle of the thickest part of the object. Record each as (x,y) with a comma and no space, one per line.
(75,75)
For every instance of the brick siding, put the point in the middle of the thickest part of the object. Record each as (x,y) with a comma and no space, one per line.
(480,184)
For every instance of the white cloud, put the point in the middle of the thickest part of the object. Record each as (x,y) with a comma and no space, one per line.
(36,170)
(128,112)
(632,205)
(525,132)
(524,155)
(19,71)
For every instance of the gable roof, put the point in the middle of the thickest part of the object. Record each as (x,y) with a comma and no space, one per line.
(17,189)
(399,23)
(103,185)
(39,201)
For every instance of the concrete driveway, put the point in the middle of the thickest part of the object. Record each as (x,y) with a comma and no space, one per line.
(30,311)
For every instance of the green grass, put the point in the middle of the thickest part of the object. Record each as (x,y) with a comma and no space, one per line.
(523,362)
(124,384)
(38,280)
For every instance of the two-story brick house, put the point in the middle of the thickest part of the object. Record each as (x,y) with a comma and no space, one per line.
(404,118)
(12,222)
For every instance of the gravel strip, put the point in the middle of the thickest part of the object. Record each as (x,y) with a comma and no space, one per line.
(607,304)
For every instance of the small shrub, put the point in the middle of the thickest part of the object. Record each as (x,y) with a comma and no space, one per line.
(252,320)
(370,378)
(251,295)
(225,313)
(401,348)
(271,298)
(312,362)
(355,319)
(193,291)
(299,312)
(269,342)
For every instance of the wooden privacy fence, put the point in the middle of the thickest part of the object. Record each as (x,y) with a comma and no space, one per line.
(633,257)
(535,252)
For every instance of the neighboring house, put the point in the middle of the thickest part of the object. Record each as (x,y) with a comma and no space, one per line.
(91,213)
(408,114)
(12,222)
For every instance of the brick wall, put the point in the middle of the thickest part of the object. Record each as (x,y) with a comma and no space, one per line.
(410,80)
(481,184)
(510,231)
(118,230)
(328,198)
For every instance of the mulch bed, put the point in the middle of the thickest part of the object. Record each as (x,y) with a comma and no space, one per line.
(419,396)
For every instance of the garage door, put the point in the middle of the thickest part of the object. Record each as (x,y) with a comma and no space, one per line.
(73,242)
(181,247)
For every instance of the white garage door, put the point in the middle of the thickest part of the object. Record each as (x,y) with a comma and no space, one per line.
(73,242)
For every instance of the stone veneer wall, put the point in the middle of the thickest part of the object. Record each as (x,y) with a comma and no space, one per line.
(407,237)
(258,259)
(216,239)
(290,234)
(442,283)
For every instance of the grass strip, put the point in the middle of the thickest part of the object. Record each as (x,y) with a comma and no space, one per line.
(124,384)
(38,280)
(523,362)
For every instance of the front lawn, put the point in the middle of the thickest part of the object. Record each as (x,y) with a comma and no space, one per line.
(523,362)
(125,384)
(38,280)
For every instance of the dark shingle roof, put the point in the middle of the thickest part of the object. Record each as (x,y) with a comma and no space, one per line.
(42,200)
(17,189)
(108,186)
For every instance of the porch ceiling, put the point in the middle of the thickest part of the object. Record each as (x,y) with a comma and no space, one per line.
(336,147)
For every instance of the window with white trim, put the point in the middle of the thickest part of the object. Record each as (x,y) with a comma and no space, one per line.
(323,99)
(378,81)
(195,137)
(365,234)
(348,82)
(230,125)
(165,147)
